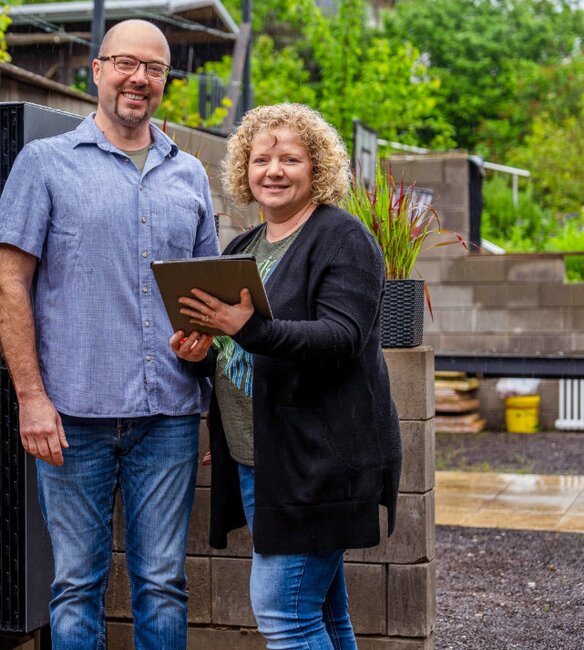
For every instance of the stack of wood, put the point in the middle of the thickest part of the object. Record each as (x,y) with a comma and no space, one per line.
(457,404)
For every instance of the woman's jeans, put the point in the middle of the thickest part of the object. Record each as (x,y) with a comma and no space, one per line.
(299,601)
(154,462)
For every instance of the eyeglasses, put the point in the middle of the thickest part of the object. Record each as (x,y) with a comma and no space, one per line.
(129,64)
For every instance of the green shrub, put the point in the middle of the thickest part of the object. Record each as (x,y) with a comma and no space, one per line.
(525,227)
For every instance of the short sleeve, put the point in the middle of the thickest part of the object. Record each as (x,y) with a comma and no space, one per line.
(25,204)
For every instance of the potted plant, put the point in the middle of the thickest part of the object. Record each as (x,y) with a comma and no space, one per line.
(401,224)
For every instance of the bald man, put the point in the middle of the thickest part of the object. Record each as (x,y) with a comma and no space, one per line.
(103,401)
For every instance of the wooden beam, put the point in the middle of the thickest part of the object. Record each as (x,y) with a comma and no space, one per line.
(14,40)
(237,65)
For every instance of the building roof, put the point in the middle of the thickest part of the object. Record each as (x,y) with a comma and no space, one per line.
(207,17)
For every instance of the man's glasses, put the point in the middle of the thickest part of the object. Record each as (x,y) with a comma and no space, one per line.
(128,65)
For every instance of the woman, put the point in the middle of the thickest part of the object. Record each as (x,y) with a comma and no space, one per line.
(304,434)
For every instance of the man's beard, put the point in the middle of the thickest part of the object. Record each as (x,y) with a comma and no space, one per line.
(132,116)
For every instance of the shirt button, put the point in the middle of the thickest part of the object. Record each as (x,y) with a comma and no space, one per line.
(144,289)
(146,323)
(143,219)
(145,254)
(149,358)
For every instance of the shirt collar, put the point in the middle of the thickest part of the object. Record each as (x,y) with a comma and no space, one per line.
(88,133)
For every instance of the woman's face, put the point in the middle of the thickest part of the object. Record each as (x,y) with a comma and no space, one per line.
(280,173)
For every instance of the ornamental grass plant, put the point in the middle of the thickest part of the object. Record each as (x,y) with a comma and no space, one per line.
(400,224)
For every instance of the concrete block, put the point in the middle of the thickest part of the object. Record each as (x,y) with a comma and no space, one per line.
(490,320)
(411,372)
(418,455)
(556,343)
(450,319)
(422,170)
(548,268)
(476,269)
(577,343)
(366,585)
(566,295)
(429,270)
(224,639)
(411,600)
(450,295)
(395,643)
(198,570)
(119,637)
(230,599)
(413,539)
(456,170)
(576,318)
(538,320)
(239,541)
(506,295)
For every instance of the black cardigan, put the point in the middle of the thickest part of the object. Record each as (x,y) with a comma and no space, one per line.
(326,435)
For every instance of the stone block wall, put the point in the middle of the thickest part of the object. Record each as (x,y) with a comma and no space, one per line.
(391,587)
(492,303)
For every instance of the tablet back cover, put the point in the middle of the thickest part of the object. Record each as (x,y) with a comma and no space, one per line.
(222,277)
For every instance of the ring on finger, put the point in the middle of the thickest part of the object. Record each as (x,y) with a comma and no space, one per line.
(206,318)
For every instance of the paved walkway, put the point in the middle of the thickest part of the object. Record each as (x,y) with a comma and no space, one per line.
(520,501)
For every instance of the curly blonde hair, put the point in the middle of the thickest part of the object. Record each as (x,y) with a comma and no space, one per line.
(328,154)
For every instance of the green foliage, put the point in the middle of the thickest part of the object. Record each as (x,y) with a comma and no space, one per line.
(181,105)
(554,152)
(358,73)
(279,75)
(525,227)
(5,22)
(477,48)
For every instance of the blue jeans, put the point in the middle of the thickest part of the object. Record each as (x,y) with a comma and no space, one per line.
(299,601)
(154,462)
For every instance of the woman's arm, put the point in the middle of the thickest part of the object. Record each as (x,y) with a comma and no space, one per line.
(346,308)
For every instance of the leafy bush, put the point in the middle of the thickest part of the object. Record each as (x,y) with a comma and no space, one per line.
(525,227)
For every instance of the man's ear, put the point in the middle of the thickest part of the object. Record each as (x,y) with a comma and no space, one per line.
(96,70)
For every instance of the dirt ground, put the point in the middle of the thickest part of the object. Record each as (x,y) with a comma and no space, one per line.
(507,589)
(551,452)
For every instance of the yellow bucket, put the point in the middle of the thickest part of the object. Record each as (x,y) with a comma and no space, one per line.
(522,413)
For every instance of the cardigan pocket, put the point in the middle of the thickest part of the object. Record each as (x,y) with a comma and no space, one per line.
(311,469)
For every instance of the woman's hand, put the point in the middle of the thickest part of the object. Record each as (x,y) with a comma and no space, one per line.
(190,348)
(204,309)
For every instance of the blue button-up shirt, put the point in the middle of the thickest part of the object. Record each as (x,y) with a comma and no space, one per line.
(95,222)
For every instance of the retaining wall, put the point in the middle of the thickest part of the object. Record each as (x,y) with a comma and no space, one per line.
(391,587)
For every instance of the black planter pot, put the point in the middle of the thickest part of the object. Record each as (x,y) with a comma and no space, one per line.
(402,314)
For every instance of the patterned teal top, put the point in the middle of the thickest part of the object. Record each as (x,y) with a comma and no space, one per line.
(234,373)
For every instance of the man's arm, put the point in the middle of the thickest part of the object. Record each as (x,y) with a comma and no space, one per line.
(41,429)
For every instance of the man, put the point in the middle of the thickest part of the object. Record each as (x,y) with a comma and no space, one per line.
(103,400)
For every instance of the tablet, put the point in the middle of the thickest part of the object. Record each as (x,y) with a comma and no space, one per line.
(223,277)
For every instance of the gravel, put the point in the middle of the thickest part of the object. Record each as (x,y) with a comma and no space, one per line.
(551,452)
(503,589)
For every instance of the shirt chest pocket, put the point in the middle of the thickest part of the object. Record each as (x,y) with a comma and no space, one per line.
(174,227)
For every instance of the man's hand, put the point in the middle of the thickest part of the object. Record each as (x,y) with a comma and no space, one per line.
(41,430)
